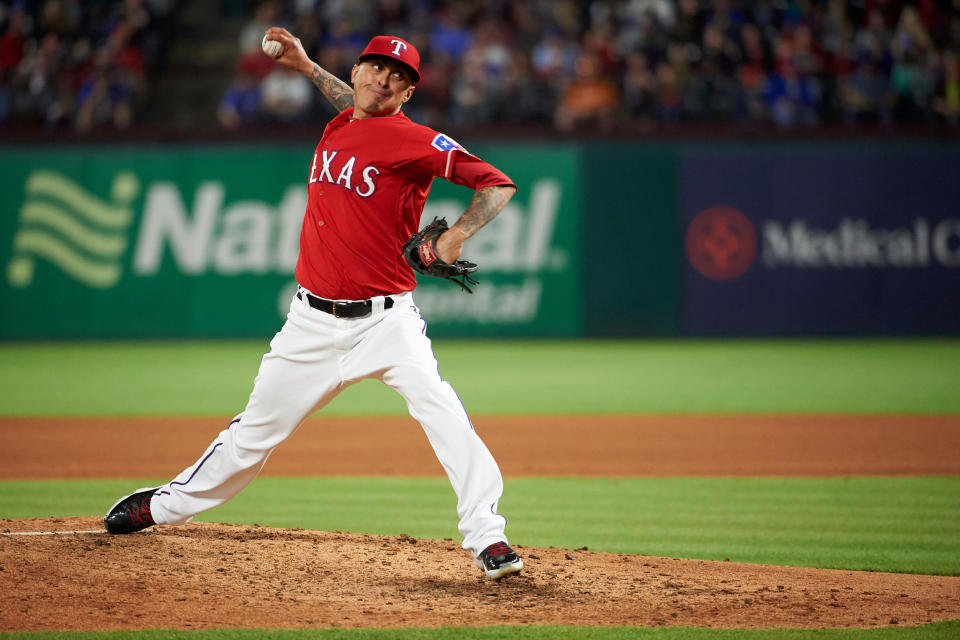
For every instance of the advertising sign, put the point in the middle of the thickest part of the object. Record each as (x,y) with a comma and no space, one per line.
(202,242)
(808,241)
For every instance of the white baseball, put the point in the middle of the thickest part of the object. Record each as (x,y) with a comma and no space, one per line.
(271,47)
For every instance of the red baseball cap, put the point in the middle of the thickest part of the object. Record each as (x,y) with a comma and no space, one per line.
(396,48)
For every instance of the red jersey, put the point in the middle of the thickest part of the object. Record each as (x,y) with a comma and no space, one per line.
(369,180)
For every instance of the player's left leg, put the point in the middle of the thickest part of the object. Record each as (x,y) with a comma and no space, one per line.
(398,352)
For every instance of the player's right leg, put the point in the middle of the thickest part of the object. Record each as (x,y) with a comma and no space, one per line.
(298,375)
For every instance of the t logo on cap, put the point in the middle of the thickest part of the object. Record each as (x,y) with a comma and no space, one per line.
(397,49)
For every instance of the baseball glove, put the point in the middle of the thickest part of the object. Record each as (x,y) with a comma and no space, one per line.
(420,252)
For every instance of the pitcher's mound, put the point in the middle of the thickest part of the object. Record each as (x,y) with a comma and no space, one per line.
(212,575)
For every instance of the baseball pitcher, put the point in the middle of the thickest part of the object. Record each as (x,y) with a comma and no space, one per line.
(353,315)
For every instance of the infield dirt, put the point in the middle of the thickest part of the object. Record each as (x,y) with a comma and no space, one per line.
(209,575)
(563,445)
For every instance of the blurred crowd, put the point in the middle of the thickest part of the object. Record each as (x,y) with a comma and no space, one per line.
(574,65)
(604,64)
(78,64)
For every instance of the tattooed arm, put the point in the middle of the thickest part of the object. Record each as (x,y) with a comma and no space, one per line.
(338,92)
(484,207)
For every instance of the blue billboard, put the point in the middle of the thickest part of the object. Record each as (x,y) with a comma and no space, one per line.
(853,240)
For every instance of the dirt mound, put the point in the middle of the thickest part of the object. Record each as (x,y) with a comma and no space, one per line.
(209,575)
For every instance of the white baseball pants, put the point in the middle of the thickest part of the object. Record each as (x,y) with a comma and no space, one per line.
(313,358)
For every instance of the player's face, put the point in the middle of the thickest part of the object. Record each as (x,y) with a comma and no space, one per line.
(380,86)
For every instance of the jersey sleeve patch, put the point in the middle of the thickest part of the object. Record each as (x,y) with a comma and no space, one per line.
(444,143)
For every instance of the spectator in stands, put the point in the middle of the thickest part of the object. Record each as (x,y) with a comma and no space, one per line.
(673,76)
(103,101)
(450,37)
(912,76)
(286,96)
(472,95)
(478,85)
(554,57)
(792,90)
(266,15)
(524,25)
(241,103)
(40,78)
(639,89)
(526,96)
(866,94)
(669,94)
(342,35)
(393,16)
(752,73)
(109,94)
(689,22)
(712,93)
(946,95)
(589,99)
(791,98)
(358,17)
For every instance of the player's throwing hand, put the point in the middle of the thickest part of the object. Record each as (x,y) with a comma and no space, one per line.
(294,57)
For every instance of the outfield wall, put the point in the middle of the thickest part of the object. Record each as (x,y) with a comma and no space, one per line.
(603,239)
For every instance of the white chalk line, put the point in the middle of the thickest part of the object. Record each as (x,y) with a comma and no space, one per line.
(49,533)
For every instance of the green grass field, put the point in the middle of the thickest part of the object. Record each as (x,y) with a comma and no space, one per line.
(892,524)
(777,376)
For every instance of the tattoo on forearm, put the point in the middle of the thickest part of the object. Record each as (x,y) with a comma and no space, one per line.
(484,207)
(333,88)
